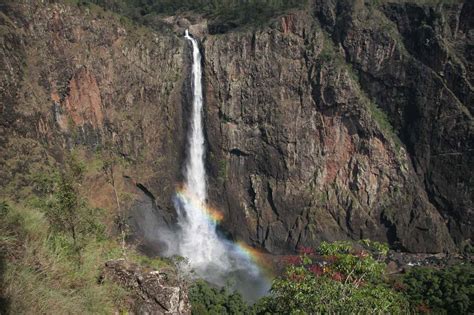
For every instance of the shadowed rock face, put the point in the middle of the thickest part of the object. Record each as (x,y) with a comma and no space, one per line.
(301,153)
(428,95)
(340,122)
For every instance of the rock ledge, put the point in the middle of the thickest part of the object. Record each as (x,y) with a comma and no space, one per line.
(154,291)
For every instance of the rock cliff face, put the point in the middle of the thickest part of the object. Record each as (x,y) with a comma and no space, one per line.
(82,77)
(300,139)
(344,121)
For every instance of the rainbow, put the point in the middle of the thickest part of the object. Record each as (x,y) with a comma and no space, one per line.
(250,253)
(259,258)
(212,214)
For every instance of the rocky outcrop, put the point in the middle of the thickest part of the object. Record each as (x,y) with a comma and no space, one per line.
(154,292)
(343,121)
(83,103)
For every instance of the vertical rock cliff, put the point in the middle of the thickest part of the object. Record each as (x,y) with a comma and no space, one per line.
(342,121)
(334,124)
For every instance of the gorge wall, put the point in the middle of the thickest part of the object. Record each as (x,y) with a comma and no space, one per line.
(305,153)
(343,121)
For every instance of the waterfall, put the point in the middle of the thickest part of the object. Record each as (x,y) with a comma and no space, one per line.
(210,256)
(195,171)
(199,241)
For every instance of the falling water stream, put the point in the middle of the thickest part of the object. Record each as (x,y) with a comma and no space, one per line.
(199,242)
(210,256)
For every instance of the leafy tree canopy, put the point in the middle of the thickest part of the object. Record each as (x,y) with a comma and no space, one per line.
(448,291)
(350,279)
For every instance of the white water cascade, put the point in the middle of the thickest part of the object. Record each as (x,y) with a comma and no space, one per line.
(199,241)
(210,256)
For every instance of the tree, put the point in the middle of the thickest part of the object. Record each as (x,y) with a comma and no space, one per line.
(67,213)
(232,13)
(347,280)
(206,299)
(448,291)
(110,161)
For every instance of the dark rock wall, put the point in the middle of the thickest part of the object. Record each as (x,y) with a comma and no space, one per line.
(302,149)
(429,98)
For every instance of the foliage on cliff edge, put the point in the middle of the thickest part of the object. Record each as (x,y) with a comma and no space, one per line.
(53,246)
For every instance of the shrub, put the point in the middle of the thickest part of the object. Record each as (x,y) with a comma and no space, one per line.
(350,280)
(67,212)
(206,299)
(230,13)
(448,291)
(52,248)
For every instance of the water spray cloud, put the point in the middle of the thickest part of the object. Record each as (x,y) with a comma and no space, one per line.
(186,196)
(256,256)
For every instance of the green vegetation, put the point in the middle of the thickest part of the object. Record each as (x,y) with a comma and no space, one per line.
(42,272)
(206,299)
(384,123)
(422,2)
(47,268)
(224,14)
(351,281)
(354,281)
(53,246)
(68,214)
(449,291)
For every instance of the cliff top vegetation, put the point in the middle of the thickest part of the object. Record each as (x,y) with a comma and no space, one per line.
(224,14)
